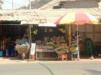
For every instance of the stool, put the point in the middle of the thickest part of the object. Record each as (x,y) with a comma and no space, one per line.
(62,57)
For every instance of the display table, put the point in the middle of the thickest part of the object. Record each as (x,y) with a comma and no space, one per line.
(44,53)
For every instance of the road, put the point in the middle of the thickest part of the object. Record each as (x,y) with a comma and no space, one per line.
(52,68)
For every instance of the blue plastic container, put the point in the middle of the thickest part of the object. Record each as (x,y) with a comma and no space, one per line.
(1,53)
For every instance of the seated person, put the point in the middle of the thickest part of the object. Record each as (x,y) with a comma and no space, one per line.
(22,46)
(74,50)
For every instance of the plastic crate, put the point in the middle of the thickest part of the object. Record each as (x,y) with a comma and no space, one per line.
(1,53)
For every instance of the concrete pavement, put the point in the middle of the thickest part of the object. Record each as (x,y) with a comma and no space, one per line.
(15,61)
(24,67)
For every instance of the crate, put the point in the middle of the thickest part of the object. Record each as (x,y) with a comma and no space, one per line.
(1,53)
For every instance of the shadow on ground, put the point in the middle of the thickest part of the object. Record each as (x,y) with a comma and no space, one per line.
(94,72)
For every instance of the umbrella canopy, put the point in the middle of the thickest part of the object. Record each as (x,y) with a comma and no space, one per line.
(77,18)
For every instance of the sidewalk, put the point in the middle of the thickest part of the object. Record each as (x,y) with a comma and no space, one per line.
(15,61)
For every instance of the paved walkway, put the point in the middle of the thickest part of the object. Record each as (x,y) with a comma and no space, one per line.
(15,61)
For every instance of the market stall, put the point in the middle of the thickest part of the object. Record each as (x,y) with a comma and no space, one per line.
(44,39)
(9,31)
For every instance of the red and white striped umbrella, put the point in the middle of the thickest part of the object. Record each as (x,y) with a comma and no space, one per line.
(77,18)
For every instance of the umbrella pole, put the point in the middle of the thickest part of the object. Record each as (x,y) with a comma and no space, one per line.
(78,54)
(30,39)
(69,36)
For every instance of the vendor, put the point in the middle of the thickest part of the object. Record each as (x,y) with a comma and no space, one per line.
(22,46)
(89,46)
(11,47)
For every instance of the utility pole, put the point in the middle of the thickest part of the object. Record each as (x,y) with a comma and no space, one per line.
(12,8)
(29,4)
(12,5)
(30,37)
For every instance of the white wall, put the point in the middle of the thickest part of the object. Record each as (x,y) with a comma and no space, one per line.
(99,4)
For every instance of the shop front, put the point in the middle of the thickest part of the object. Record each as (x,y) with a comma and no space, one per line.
(89,41)
(9,32)
(46,39)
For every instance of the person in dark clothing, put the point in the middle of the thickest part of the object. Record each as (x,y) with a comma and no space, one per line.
(11,48)
(89,46)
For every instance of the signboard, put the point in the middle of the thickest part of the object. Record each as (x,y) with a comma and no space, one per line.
(33,48)
(47,25)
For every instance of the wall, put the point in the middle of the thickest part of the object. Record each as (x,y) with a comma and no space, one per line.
(91,31)
(80,4)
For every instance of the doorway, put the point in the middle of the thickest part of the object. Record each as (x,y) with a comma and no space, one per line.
(9,31)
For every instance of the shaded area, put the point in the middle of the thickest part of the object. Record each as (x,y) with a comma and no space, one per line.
(79,4)
(94,72)
(36,4)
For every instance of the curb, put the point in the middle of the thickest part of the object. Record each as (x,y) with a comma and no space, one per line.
(9,61)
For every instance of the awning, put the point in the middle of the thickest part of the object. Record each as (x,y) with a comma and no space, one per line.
(47,25)
(35,16)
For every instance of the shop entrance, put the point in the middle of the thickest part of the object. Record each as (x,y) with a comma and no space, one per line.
(9,31)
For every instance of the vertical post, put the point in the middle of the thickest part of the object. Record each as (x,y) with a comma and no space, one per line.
(30,39)
(32,46)
(12,8)
(78,56)
(29,4)
(69,35)
(12,5)
(29,32)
